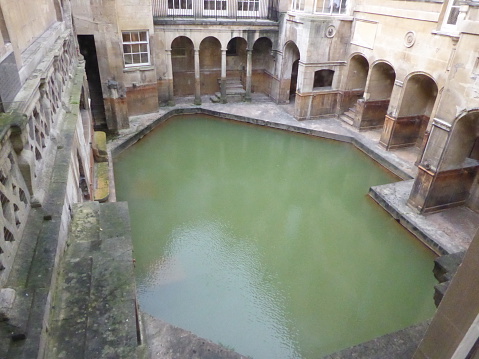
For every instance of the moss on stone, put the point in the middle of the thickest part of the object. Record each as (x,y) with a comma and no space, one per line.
(102,190)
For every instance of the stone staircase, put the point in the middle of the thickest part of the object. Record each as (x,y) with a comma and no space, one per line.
(234,91)
(94,311)
(349,116)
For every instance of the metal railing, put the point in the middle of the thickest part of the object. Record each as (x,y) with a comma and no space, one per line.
(216,9)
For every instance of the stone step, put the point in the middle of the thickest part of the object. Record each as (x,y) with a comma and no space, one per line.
(94,312)
(216,98)
(234,85)
(235,91)
(260,97)
(351,114)
(235,98)
(346,119)
(233,79)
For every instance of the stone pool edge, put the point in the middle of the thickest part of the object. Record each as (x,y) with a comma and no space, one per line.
(385,195)
(386,160)
(381,194)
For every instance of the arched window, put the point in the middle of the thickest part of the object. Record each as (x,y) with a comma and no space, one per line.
(323,78)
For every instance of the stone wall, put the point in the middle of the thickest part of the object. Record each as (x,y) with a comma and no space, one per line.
(30,137)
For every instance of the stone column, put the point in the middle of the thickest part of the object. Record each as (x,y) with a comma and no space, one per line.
(197,78)
(223,77)
(169,74)
(391,120)
(249,70)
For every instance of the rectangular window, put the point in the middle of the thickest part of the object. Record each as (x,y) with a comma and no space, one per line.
(297,5)
(136,48)
(453,13)
(214,7)
(331,6)
(248,5)
(180,7)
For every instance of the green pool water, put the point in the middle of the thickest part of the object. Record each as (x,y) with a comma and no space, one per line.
(266,242)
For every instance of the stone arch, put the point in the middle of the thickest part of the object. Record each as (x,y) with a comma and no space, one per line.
(454,163)
(371,111)
(183,66)
(355,84)
(409,127)
(236,57)
(357,73)
(210,64)
(422,88)
(381,81)
(418,101)
(291,57)
(463,142)
(263,65)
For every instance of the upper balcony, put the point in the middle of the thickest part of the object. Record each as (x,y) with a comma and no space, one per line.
(220,10)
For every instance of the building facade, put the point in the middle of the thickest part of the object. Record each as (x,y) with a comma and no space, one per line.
(407,69)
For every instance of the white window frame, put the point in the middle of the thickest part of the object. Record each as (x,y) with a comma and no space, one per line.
(242,12)
(180,7)
(450,7)
(139,45)
(328,7)
(297,5)
(214,11)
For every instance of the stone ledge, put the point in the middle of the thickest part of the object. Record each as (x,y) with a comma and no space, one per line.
(397,345)
(102,182)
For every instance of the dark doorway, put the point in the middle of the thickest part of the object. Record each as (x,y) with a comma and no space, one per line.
(294,81)
(88,50)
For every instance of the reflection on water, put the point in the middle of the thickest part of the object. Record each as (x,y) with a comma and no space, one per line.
(265,241)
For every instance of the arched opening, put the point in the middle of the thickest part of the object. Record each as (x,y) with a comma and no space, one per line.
(462,156)
(356,81)
(448,170)
(381,82)
(377,96)
(236,59)
(263,65)
(291,57)
(210,65)
(323,78)
(294,81)
(409,127)
(183,66)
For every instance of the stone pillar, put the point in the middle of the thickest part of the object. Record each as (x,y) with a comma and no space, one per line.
(197,78)
(391,119)
(116,107)
(249,70)
(223,76)
(169,74)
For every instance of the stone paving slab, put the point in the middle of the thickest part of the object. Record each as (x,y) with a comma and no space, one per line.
(443,236)
(397,345)
(94,313)
(166,341)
